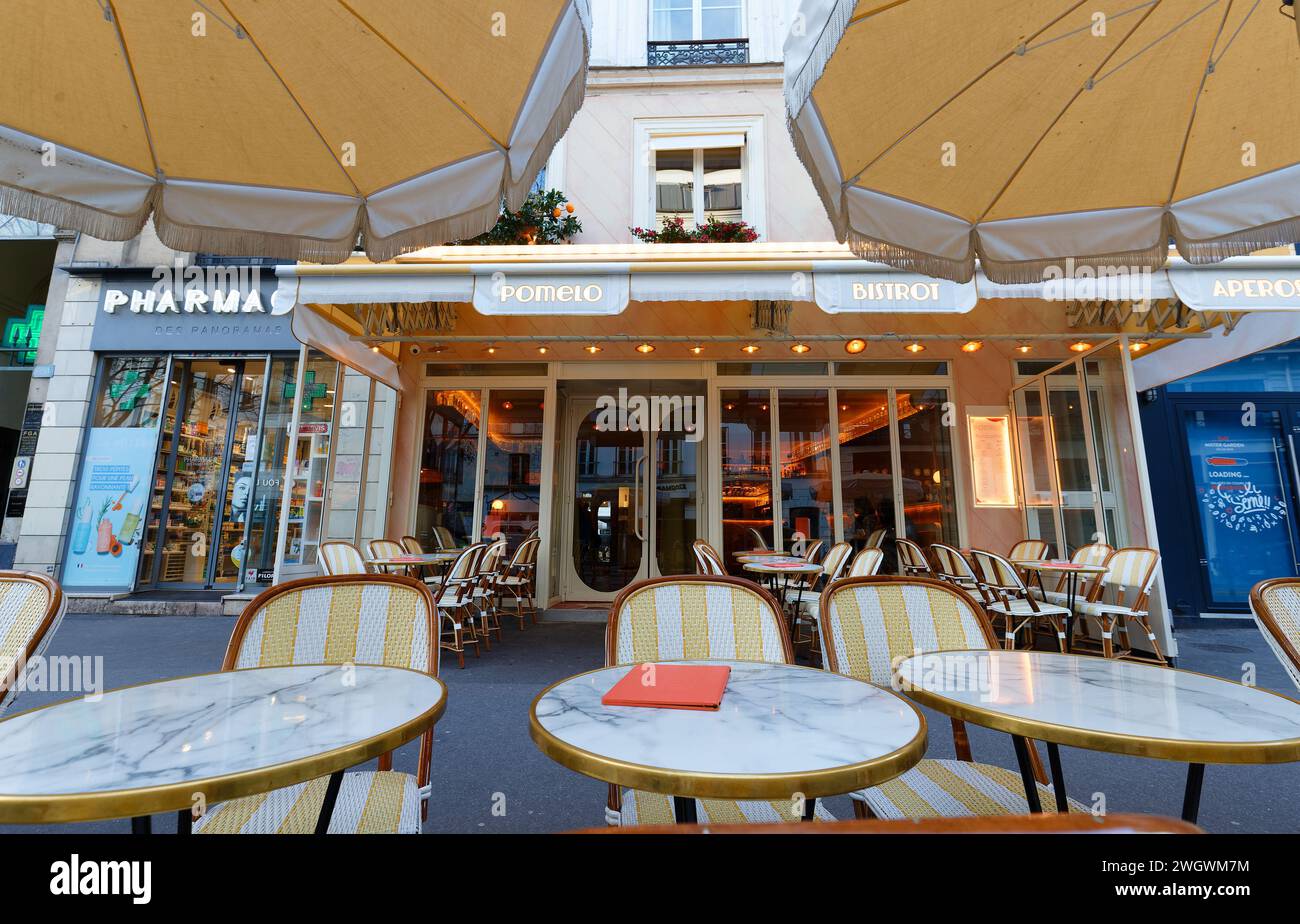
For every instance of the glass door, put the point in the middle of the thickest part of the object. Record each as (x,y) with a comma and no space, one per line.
(1037,471)
(237,490)
(634,459)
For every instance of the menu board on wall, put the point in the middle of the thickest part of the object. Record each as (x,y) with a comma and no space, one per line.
(990,451)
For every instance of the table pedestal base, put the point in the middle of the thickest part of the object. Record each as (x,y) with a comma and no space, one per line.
(1192,793)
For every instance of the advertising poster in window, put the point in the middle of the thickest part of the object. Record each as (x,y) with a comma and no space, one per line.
(1241,492)
(108,518)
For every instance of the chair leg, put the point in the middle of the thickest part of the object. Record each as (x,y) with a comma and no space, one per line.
(1059,625)
(1107,631)
(1151,637)
(860,810)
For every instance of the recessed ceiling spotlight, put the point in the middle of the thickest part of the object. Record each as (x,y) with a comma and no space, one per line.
(1023,347)
(592,348)
(645,348)
(1137,346)
(915,347)
(697,349)
(855,346)
(799,348)
(972,346)
(750,348)
(1081,346)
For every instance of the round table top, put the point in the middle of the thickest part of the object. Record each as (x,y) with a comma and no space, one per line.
(759,552)
(1062,566)
(1108,705)
(800,567)
(782,730)
(424,558)
(151,748)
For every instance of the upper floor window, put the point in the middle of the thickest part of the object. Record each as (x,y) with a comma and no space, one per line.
(697,32)
(699,184)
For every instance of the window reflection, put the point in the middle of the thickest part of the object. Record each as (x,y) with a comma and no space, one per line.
(804,418)
(447,467)
(866,469)
(746,471)
(512,469)
(925,459)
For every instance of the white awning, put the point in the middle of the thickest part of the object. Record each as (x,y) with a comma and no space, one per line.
(1182,358)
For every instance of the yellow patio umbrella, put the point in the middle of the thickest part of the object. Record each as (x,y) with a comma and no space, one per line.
(1034,132)
(283,127)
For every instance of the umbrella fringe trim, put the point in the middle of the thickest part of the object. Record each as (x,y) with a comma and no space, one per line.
(242,242)
(62,213)
(796,95)
(572,101)
(909,260)
(1028,272)
(455,228)
(1240,243)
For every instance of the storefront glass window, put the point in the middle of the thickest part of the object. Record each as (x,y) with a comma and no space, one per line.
(866,468)
(1073,461)
(313,449)
(512,468)
(746,471)
(1038,487)
(804,419)
(925,457)
(238,488)
(271,456)
(448,467)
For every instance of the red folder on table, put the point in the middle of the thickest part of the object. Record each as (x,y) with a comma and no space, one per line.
(670,686)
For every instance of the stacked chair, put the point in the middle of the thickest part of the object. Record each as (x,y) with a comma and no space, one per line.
(861,641)
(733,619)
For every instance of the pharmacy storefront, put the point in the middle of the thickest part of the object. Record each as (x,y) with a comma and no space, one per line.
(206,461)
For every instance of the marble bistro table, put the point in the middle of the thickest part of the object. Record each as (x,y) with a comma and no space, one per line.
(140,750)
(782,731)
(1103,704)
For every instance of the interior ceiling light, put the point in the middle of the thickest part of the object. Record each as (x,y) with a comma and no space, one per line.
(1023,347)
(1080,346)
(972,346)
(491,349)
(543,349)
(1137,346)
(375,348)
(915,347)
(855,346)
(750,348)
(697,349)
(799,348)
(592,348)
(645,348)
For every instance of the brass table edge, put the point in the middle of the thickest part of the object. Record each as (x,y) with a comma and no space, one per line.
(129,803)
(1279,751)
(830,781)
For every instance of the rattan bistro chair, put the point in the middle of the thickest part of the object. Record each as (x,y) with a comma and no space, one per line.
(518,579)
(1275,605)
(759,542)
(707,559)
(31,608)
(833,568)
(911,558)
(866,563)
(1029,550)
(1094,554)
(731,619)
(877,539)
(1008,601)
(869,623)
(374,619)
(1127,582)
(386,548)
(338,557)
(458,618)
(952,566)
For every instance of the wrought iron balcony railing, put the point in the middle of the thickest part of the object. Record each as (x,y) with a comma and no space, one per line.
(705,51)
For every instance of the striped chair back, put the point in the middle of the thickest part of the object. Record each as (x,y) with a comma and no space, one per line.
(490,563)
(461,577)
(911,557)
(336,557)
(693,617)
(443,537)
(412,545)
(1275,605)
(866,623)
(707,559)
(31,608)
(837,561)
(813,550)
(1028,550)
(866,563)
(1129,571)
(997,573)
(759,541)
(526,555)
(385,548)
(877,539)
(375,619)
(1095,553)
(952,565)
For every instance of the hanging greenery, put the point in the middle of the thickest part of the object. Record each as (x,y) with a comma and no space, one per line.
(546,217)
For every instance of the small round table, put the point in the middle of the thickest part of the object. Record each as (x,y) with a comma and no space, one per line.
(414,560)
(152,748)
(781,731)
(1072,572)
(788,569)
(760,553)
(1103,704)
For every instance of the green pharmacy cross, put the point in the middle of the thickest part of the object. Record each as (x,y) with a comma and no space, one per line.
(23,335)
(131,390)
(312,390)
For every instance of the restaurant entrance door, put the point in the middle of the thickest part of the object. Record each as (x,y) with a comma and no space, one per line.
(631,462)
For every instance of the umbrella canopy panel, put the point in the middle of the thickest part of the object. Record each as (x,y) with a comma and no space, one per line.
(283,127)
(1027,132)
